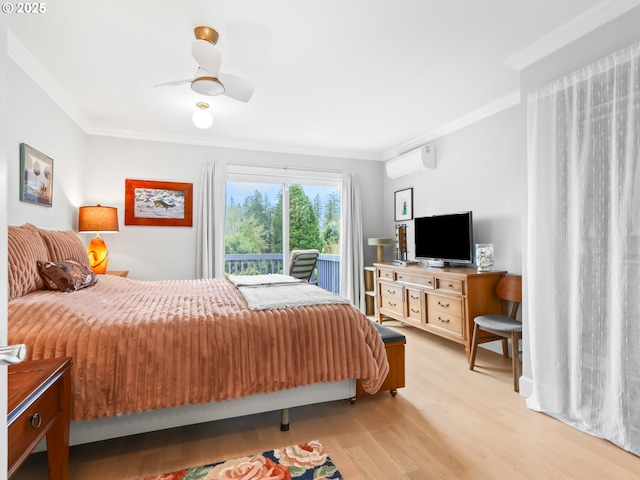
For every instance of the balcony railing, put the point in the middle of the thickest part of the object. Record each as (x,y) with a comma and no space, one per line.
(326,274)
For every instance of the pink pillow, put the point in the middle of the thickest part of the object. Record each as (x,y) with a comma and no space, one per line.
(25,247)
(65,245)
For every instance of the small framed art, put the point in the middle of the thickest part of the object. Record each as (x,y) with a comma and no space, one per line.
(403,204)
(152,203)
(36,176)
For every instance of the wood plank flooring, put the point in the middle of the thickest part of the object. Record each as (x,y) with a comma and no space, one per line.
(448,423)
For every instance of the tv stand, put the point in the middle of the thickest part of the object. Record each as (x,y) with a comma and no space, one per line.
(441,300)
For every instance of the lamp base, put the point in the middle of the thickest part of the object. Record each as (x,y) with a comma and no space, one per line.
(380,253)
(98,255)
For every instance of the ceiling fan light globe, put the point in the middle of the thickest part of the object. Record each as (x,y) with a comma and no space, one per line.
(202,119)
(210,86)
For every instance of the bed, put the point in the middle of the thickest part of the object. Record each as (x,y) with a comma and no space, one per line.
(148,355)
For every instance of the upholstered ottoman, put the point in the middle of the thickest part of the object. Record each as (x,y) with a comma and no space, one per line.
(394,343)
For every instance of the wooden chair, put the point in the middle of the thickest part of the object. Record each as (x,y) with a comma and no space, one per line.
(302,263)
(509,288)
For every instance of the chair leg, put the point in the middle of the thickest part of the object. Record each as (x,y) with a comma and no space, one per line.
(515,354)
(505,347)
(474,347)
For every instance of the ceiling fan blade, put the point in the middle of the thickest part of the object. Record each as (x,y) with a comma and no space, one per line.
(177,82)
(236,87)
(207,56)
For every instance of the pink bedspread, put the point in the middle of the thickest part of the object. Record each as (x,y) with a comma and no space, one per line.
(140,345)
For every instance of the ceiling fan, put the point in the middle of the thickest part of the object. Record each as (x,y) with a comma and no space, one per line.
(208,80)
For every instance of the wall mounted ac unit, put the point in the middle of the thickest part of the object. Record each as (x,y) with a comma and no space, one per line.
(415,161)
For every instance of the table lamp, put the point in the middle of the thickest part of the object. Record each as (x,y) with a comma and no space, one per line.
(98,219)
(380,243)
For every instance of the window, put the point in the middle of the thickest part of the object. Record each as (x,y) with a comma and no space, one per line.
(270,212)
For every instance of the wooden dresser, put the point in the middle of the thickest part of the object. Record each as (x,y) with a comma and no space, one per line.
(443,301)
(39,404)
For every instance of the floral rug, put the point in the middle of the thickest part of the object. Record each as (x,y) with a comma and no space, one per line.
(306,461)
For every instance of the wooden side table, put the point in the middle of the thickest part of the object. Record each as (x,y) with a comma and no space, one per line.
(39,404)
(117,273)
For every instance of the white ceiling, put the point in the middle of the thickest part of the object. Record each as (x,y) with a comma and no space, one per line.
(355,78)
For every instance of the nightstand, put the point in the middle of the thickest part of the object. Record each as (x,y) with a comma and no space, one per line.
(39,405)
(117,273)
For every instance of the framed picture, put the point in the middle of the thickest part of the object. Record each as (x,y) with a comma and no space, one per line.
(151,203)
(403,204)
(36,176)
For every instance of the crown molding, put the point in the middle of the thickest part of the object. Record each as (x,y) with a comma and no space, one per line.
(470,118)
(233,144)
(584,23)
(27,62)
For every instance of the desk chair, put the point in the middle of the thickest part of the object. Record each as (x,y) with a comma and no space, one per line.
(509,288)
(302,263)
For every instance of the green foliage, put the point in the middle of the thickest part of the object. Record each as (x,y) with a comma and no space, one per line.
(256,225)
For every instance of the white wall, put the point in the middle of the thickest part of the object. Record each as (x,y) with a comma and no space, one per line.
(478,168)
(36,120)
(170,252)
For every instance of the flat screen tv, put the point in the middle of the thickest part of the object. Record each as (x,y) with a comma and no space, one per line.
(445,240)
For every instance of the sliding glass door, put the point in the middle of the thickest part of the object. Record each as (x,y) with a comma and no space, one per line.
(266,220)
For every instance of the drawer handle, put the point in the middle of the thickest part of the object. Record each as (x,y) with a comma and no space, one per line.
(443,320)
(413,310)
(415,298)
(392,304)
(35,420)
(391,292)
(450,285)
(443,305)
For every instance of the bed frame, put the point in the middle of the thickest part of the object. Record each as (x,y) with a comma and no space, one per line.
(87,431)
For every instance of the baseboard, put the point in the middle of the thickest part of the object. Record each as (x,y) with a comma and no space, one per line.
(526,386)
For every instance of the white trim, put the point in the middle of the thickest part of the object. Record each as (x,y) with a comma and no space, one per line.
(235,144)
(470,118)
(584,23)
(23,58)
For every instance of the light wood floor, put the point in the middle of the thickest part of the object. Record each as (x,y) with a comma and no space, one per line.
(448,423)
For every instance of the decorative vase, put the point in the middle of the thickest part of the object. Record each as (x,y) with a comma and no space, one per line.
(484,257)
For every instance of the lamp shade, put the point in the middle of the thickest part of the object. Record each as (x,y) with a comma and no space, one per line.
(98,219)
(380,243)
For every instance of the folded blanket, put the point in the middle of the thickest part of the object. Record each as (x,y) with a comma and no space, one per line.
(283,295)
(253,280)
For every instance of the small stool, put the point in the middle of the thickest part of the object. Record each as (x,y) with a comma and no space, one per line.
(394,343)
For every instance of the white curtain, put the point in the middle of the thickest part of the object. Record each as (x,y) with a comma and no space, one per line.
(583,253)
(210,226)
(352,256)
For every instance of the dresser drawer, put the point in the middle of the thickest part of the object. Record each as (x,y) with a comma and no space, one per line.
(413,298)
(451,306)
(26,431)
(426,280)
(391,291)
(385,273)
(446,321)
(394,305)
(449,285)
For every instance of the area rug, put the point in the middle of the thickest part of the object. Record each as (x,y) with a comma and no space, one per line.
(306,461)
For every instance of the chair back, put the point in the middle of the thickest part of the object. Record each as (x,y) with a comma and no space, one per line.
(510,288)
(302,263)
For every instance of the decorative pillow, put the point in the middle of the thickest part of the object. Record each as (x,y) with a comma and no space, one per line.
(67,276)
(25,248)
(65,245)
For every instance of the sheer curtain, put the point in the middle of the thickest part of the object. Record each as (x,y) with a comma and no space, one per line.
(352,256)
(210,226)
(583,257)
